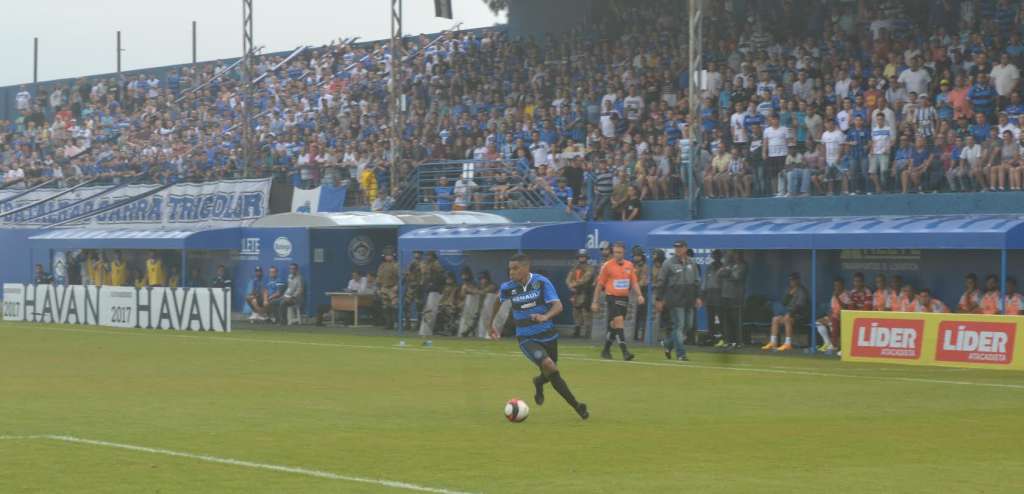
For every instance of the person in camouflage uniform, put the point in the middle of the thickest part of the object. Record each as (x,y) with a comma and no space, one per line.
(581,283)
(414,288)
(387,289)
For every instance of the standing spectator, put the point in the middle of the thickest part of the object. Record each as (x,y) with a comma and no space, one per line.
(834,140)
(881,148)
(857,139)
(775,148)
(603,184)
(915,78)
(678,291)
(982,96)
(796,313)
(1005,76)
(443,194)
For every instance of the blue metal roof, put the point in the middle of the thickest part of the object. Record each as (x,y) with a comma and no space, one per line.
(540,236)
(878,232)
(93,238)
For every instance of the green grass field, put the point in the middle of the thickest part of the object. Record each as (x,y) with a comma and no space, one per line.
(106,410)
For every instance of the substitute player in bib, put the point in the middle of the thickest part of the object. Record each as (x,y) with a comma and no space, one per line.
(534,305)
(617,279)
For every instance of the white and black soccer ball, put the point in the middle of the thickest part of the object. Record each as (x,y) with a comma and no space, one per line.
(516,410)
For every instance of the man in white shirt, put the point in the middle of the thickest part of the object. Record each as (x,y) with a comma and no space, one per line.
(1005,125)
(608,120)
(737,126)
(845,116)
(1005,76)
(803,87)
(970,164)
(882,108)
(833,139)
(540,151)
(23,99)
(775,148)
(878,160)
(634,105)
(463,191)
(915,78)
(842,86)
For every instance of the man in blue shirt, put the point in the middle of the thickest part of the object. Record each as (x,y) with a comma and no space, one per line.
(857,139)
(254,296)
(534,304)
(443,194)
(982,95)
(273,293)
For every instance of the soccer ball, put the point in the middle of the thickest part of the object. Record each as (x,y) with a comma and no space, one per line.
(516,410)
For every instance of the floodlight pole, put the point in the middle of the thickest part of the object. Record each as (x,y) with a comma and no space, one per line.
(695,63)
(248,141)
(395,88)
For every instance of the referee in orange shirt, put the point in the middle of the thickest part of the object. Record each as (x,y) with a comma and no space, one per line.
(617,279)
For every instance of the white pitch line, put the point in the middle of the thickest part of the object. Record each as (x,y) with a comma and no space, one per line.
(735,368)
(240,463)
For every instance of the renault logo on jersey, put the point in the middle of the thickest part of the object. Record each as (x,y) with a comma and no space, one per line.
(525,297)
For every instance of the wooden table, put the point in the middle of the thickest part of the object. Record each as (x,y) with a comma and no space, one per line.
(350,302)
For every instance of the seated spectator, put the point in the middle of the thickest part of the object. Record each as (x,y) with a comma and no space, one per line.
(971,299)
(254,296)
(273,295)
(739,177)
(925,303)
(796,313)
(828,326)
(991,300)
(1013,302)
(293,293)
(357,284)
(631,208)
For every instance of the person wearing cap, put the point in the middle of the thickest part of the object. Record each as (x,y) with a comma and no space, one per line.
(387,288)
(413,287)
(678,291)
(796,305)
(580,281)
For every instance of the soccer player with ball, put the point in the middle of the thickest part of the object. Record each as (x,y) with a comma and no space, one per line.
(534,304)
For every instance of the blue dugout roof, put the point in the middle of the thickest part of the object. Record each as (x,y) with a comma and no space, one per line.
(517,237)
(880,232)
(92,238)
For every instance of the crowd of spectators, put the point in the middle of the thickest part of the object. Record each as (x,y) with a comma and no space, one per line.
(799,97)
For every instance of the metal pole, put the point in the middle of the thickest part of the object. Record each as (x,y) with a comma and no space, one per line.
(401,289)
(35,62)
(248,143)
(394,88)
(649,330)
(1002,276)
(814,301)
(695,63)
(119,52)
(193,44)
(183,272)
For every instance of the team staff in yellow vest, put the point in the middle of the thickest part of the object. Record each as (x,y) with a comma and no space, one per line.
(155,274)
(118,271)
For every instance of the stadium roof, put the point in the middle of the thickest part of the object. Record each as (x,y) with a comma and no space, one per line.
(877,232)
(365,218)
(517,237)
(92,238)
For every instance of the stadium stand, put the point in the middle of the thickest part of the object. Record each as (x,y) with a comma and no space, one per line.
(922,96)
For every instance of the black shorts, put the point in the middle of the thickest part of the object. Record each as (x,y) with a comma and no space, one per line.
(540,346)
(617,306)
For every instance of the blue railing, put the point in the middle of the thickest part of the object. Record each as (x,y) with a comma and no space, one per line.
(477,185)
